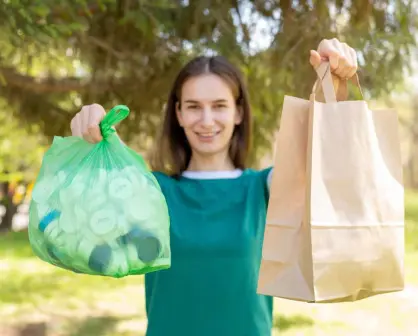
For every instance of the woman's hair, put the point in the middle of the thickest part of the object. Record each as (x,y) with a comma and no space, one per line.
(172,151)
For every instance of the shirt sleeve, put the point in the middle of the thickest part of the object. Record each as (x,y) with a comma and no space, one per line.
(266,176)
(269,177)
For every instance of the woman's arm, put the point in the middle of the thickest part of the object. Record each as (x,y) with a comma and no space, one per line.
(343,62)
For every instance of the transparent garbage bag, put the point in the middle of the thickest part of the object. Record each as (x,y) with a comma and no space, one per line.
(97,209)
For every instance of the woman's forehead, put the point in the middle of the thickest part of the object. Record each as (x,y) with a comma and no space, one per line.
(208,87)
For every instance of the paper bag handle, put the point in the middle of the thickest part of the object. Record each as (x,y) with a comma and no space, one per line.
(325,81)
(343,91)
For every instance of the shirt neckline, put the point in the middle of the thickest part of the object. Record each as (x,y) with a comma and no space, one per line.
(211,175)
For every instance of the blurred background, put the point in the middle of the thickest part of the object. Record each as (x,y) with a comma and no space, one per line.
(56,56)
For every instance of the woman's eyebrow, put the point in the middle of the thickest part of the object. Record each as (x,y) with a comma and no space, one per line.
(191,101)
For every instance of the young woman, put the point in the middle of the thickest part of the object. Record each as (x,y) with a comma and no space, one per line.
(217,206)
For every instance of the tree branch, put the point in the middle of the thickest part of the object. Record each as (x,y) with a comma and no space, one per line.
(244,28)
(44,85)
(82,11)
(105,46)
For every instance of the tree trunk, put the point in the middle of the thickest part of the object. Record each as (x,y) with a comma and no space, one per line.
(34,329)
(11,208)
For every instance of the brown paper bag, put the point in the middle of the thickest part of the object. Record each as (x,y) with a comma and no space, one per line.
(335,220)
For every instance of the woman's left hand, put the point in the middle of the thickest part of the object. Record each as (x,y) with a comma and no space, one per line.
(342,58)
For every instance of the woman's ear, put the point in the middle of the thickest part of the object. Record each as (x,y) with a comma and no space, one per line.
(239,114)
(178,114)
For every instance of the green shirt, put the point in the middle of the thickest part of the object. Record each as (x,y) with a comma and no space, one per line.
(217,228)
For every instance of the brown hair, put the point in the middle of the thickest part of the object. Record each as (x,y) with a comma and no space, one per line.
(172,153)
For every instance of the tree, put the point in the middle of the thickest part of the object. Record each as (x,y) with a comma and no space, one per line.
(56,56)
(21,150)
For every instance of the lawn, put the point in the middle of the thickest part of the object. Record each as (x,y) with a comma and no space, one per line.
(36,295)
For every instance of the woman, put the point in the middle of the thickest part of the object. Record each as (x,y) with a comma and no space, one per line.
(217,206)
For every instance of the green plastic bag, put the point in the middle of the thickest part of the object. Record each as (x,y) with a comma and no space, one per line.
(97,209)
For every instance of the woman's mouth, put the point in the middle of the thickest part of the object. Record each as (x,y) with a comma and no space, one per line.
(207,136)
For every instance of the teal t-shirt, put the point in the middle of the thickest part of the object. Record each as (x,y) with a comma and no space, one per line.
(217,229)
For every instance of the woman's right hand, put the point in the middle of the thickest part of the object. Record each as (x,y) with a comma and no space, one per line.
(85,124)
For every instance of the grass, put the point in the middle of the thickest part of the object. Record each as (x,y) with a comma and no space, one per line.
(390,315)
(411,217)
(37,296)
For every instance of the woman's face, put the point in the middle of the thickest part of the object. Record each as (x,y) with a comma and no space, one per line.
(208,114)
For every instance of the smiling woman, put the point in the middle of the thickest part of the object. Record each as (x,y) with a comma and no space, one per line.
(217,205)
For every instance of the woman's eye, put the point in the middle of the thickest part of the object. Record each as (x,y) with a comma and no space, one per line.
(193,107)
(220,106)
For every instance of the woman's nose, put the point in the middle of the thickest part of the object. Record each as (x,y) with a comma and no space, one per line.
(207,117)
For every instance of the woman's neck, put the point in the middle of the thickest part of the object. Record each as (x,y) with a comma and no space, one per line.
(210,163)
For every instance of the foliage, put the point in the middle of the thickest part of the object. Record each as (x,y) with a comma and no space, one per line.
(21,148)
(56,56)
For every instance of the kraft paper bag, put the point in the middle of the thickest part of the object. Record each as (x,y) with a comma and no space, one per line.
(335,219)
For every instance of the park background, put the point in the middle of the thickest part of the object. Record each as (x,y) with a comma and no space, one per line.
(56,56)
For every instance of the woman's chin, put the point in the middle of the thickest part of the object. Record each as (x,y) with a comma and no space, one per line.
(209,149)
